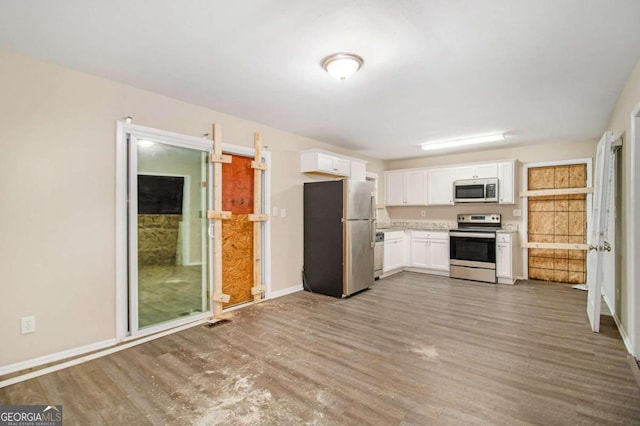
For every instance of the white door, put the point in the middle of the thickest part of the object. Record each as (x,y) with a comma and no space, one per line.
(600,212)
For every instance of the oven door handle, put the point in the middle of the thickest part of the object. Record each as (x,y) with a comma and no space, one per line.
(472,235)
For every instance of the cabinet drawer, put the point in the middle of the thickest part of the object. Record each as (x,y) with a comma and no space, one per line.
(503,238)
(393,235)
(430,235)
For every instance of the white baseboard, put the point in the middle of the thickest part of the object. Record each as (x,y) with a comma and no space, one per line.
(46,359)
(97,354)
(621,330)
(285,291)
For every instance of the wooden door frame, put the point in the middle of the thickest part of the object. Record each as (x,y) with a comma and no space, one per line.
(525,202)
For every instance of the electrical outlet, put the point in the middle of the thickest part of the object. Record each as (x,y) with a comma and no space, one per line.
(275,212)
(28,325)
(283,212)
(423,213)
(517,212)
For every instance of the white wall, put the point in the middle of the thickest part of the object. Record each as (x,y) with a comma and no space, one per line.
(620,124)
(57,183)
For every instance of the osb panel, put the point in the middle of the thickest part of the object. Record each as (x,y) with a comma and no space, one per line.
(578,205)
(539,205)
(577,277)
(577,223)
(541,223)
(578,176)
(560,223)
(578,254)
(561,177)
(541,178)
(237,185)
(561,254)
(557,219)
(158,239)
(237,258)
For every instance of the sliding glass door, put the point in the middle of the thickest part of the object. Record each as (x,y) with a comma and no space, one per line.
(169,256)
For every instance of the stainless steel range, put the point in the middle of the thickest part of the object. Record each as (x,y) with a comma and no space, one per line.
(472,247)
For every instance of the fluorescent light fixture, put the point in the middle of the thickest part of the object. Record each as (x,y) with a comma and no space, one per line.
(454,143)
(342,65)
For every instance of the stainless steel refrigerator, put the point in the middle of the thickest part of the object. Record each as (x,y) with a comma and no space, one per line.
(339,236)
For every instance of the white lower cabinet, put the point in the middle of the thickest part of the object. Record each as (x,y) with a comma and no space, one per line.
(505,256)
(393,251)
(429,250)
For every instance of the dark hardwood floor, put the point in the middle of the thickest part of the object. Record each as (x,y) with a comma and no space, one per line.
(414,349)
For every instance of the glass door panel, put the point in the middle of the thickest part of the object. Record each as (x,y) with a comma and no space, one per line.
(169,247)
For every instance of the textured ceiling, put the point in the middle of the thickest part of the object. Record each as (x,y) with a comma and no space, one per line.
(543,70)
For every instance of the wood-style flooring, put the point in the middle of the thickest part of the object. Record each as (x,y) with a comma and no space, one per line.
(413,350)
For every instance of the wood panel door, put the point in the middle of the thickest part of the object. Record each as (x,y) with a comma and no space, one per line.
(237,232)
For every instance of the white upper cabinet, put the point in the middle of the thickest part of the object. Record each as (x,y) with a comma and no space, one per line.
(328,163)
(440,186)
(415,187)
(506,182)
(358,170)
(477,171)
(394,188)
(405,188)
(434,186)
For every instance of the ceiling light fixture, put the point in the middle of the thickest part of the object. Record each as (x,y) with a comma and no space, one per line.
(454,143)
(342,65)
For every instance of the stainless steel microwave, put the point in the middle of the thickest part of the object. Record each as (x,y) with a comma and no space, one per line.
(476,191)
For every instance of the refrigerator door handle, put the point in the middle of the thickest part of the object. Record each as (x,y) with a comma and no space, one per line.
(372,227)
(373,206)
(373,220)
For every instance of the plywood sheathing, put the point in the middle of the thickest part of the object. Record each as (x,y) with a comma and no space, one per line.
(237,232)
(557,219)
(237,259)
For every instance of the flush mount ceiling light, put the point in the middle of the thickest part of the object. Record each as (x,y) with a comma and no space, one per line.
(454,143)
(342,65)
